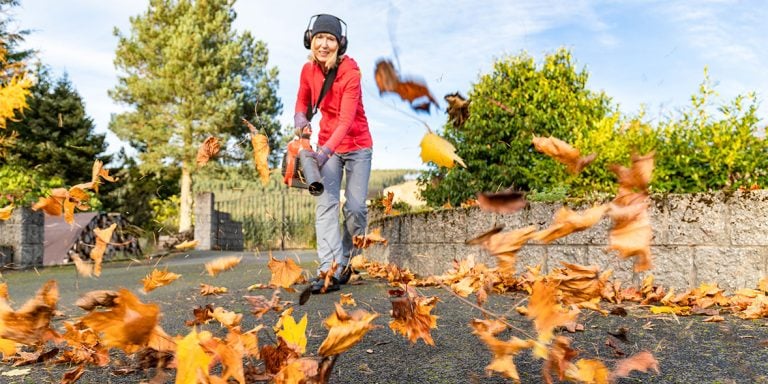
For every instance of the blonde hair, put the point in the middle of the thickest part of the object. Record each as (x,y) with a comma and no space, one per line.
(333,59)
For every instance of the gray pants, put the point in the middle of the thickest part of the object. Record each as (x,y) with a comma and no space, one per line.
(332,244)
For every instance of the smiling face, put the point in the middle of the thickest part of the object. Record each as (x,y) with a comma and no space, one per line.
(325,48)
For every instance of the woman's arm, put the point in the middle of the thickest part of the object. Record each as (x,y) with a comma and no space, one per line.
(350,97)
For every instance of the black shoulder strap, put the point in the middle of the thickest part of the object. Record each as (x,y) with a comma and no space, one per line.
(326,86)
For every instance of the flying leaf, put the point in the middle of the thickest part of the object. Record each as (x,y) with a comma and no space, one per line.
(412,318)
(277,357)
(5,212)
(186,245)
(588,371)
(578,283)
(284,272)
(638,176)
(387,202)
(260,305)
(158,278)
(192,361)
(563,153)
(227,318)
(98,173)
(387,80)
(504,246)
(642,361)
(501,202)
(103,237)
(568,221)
(261,156)
(458,109)
(631,233)
(83,268)
(372,237)
(294,333)
(545,312)
(438,150)
(345,330)
(347,299)
(207,290)
(127,325)
(99,298)
(503,351)
(31,324)
(208,150)
(222,264)
(7,348)
(202,315)
(559,358)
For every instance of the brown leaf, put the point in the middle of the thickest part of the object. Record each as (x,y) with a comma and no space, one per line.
(559,358)
(73,375)
(617,352)
(484,237)
(412,318)
(93,299)
(370,238)
(458,109)
(347,299)
(563,153)
(260,305)
(501,202)
(568,221)
(202,315)
(208,150)
(207,290)
(631,233)
(638,176)
(277,357)
(387,202)
(387,80)
(103,238)
(284,272)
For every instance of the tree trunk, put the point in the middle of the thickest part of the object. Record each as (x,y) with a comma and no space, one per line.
(185,211)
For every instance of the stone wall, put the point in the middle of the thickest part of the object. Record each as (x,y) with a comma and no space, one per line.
(21,238)
(215,230)
(708,237)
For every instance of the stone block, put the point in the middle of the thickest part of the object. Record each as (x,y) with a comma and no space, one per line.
(455,225)
(32,234)
(673,267)
(380,253)
(390,228)
(476,221)
(697,219)
(747,222)
(530,256)
(732,267)
(29,255)
(657,214)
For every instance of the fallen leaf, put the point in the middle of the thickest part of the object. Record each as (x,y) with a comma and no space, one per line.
(439,151)
(588,371)
(73,375)
(412,317)
(208,150)
(222,264)
(207,290)
(228,319)
(501,202)
(372,237)
(260,305)
(192,361)
(714,319)
(347,299)
(158,278)
(294,333)
(186,245)
(16,372)
(202,315)
(563,153)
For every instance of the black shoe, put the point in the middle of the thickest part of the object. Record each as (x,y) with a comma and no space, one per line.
(317,285)
(346,274)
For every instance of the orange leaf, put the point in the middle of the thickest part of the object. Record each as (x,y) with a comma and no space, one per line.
(99,171)
(345,330)
(208,150)
(568,221)
(631,233)
(501,202)
(347,299)
(158,278)
(5,212)
(7,348)
(227,318)
(83,268)
(412,318)
(192,361)
(563,153)
(103,237)
(128,325)
(387,202)
(503,351)
(222,264)
(504,245)
(638,175)
(31,324)
(261,156)
(185,245)
(387,80)
(284,272)
(588,371)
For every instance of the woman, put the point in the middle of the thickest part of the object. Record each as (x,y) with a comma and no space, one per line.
(344,146)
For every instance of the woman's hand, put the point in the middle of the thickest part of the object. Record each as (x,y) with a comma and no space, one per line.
(322,155)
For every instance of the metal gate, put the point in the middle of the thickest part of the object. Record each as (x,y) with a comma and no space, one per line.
(284,219)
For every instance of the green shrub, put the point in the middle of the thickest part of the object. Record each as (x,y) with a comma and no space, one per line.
(165,213)
(24,186)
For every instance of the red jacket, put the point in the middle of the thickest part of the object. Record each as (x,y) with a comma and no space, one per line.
(344,127)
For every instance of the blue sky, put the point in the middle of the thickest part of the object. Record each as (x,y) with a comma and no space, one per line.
(650,53)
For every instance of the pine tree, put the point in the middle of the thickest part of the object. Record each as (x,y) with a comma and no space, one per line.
(55,136)
(186,74)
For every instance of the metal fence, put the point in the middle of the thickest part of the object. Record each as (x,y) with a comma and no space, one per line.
(284,219)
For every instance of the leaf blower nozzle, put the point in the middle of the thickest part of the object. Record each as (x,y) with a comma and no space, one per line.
(311,173)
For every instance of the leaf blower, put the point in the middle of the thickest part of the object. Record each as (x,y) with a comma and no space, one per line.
(300,168)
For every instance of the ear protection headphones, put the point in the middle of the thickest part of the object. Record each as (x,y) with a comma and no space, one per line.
(342,39)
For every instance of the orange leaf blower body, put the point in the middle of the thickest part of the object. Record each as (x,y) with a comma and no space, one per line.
(300,168)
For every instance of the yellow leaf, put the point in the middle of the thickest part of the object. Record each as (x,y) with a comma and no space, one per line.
(189,244)
(588,371)
(191,360)
(284,272)
(222,264)
(672,310)
(7,348)
(158,279)
(438,150)
(294,334)
(5,212)
(261,156)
